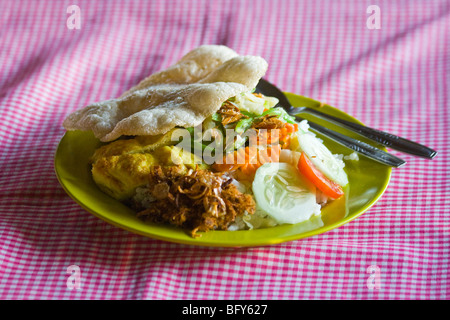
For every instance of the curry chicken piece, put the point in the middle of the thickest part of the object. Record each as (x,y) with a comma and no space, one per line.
(119,167)
(198,201)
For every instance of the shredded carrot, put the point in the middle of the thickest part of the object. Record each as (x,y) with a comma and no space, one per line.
(248,160)
(281,136)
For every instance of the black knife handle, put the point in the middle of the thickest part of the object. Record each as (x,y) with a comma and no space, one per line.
(384,138)
(359,146)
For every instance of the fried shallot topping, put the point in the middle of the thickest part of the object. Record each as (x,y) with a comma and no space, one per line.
(230,113)
(198,200)
(269,122)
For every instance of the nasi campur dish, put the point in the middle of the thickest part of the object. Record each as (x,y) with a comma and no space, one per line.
(196,147)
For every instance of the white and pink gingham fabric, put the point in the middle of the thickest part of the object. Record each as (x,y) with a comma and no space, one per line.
(394,78)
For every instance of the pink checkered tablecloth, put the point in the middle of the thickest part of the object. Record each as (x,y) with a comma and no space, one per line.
(394,78)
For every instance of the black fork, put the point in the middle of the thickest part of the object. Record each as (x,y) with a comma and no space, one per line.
(387,139)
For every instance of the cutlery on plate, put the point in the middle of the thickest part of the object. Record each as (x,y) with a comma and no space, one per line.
(381,137)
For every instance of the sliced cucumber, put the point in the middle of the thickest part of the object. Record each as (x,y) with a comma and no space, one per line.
(323,159)
(289,156)
(284,194)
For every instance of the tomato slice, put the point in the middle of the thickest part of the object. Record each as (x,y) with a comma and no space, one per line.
(328,187)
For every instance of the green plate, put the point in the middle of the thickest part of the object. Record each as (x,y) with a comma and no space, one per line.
(367,182)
